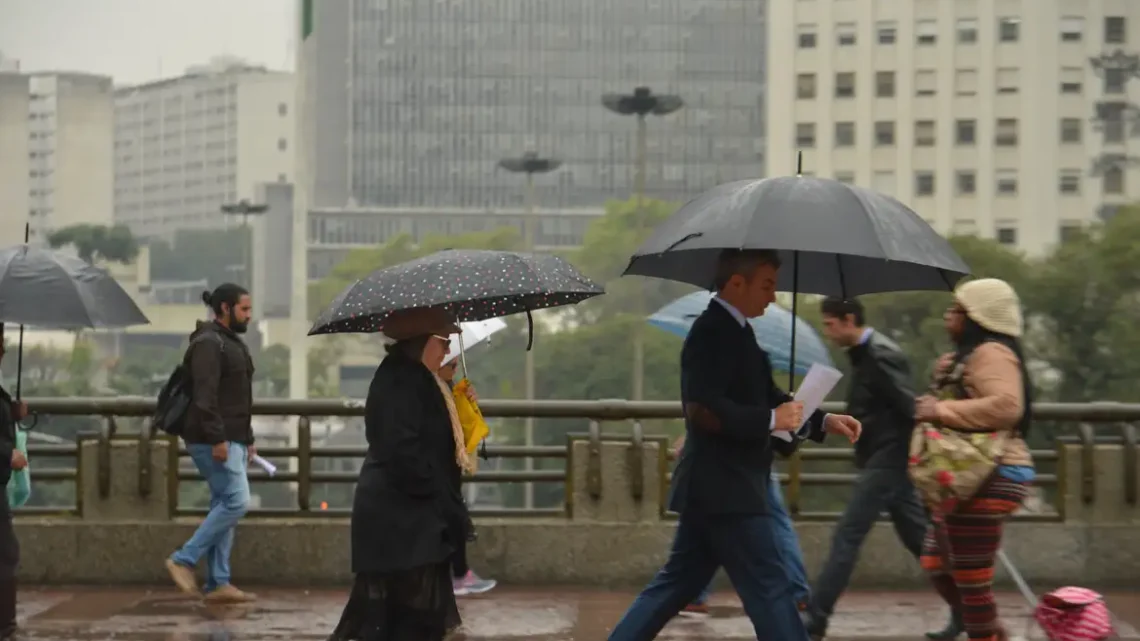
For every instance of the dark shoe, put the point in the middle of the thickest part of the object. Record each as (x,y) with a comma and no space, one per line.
(816,625)
(954,628)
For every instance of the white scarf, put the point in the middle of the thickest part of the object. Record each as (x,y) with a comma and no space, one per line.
(466,463)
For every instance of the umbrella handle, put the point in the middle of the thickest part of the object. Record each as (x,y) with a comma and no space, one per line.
(462,356)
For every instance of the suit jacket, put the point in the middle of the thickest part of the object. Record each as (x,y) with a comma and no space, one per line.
(881,395)
(728,393)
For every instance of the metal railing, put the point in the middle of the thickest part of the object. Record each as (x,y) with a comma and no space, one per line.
(596,413)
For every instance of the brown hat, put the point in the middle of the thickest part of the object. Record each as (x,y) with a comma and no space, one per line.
(421,321)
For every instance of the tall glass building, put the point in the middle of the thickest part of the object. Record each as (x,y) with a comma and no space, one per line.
(415,101)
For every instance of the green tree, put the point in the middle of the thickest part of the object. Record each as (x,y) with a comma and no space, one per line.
(142,370)
(93,243)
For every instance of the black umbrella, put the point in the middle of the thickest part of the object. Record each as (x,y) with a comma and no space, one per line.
(470,284)
(50,289)
(837,239)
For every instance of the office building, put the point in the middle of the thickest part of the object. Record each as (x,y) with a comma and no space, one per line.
(185,146)
(439,92)
(986,117)
(15,97)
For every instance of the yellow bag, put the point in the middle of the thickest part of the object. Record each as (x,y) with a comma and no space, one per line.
(474,426)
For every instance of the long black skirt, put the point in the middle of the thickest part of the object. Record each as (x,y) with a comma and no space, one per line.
(414,605)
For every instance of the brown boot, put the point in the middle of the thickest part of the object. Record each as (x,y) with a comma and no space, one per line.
(183,577)
(228,594)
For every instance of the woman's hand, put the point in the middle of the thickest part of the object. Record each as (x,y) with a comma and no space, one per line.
(19,461)
(942,365)
(471,394)
(926,408)
(19,410)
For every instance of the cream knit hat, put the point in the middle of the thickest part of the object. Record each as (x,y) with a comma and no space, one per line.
(993,304)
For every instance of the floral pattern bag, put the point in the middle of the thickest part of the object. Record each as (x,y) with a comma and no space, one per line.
(949,466)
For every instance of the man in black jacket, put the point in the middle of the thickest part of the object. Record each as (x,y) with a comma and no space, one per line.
(881,395)
(219,439)
(11,460)
(735,417)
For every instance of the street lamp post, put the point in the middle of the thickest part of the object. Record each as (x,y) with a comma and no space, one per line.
(245,209)
(641,103)
(530,164)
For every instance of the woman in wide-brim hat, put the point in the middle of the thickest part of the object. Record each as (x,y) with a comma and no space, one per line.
(982,386)
(408,517)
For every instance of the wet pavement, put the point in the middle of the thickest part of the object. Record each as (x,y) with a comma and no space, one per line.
(514,613)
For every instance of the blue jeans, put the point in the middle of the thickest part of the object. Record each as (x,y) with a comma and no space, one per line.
(229,500)
(788,541)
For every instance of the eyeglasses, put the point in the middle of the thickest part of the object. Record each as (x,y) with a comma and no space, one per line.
(445,339)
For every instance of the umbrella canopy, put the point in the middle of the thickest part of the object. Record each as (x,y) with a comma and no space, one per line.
(54,290)
(844,240)
(470,284)
(773,331)
(472,334)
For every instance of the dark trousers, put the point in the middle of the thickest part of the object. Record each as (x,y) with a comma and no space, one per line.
(459,567)
(9,560)
(876,491)
(746,546)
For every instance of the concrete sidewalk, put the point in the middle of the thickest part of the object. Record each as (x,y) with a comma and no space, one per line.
(514,613)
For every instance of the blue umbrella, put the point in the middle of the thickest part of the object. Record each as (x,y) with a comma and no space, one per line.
(773,331)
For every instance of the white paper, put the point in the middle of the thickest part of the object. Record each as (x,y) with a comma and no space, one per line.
(269,468)
(813,390)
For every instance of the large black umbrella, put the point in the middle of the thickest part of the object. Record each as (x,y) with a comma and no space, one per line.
(834,239)
(54,290)
(470,284)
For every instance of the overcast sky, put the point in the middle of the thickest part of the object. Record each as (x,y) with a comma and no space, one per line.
(139,40)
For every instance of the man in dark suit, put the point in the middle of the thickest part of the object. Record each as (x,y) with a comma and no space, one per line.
(735,417)
(880,393)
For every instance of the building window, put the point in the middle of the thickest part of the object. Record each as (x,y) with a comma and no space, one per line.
(925,82)
(1114,80)
(1007,80)
(282,144)
(966,82)
(924,133)
(886,32)
(1006,182)
(1113,181)
(965,183)
(1072,28)
(1115,31)
(1112,122)
(884,182)
(845,34)
(1005,134)
(1007,235)
(967,31)
(1009,29)
(1069,232)
(844,134)
(805,86)
(965,132)
(1071,80)
(845,84)
(282,178)
(805,135)
(885,133)
(1069,182)
(807,36)
(926,32)
(1070,131)
(885,84)
(845,177)
(282,109)
(924,183)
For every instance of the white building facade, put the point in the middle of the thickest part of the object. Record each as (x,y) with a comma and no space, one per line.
(979,114)
(188,145)
(15,95)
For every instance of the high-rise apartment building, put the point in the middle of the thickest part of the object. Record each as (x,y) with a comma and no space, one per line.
(70,151)
(439,92)
(15,96)
(1009,119)
(188,145)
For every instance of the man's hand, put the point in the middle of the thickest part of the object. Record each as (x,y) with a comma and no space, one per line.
(789,417)
(221,452)
(848,426)
(926,408)
(250,452)
(19,461)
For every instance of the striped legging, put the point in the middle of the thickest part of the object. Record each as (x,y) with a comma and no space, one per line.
(974,536)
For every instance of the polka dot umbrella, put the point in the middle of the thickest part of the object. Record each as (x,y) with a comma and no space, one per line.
(470,284)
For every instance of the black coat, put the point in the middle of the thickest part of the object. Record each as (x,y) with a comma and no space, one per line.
(222,391)
(881,396)
(407,511)
(729,394)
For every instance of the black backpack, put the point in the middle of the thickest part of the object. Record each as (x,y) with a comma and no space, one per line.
(175,397)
